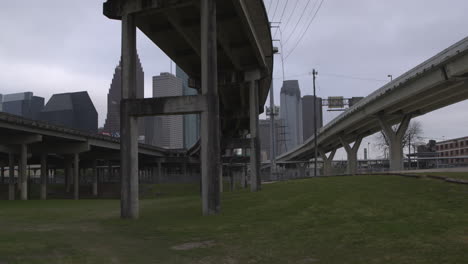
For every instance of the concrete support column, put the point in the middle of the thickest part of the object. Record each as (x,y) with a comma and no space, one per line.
(244,177)
(76,176)
(129,203)
(11,174)
(23,171)
(352,154)
(68,170)
(394,140)
(327,162)
(210,124)
(95,178)
(44,176)
(2,173)
(255,177)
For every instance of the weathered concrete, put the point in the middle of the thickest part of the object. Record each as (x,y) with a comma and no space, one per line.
(11,176)
(171,105)
(44,177)
(327,162)
(210,125)
(352,154)
(95,178)
(129,202)
(394,140)
(76,176)
(255,177)
(23,171)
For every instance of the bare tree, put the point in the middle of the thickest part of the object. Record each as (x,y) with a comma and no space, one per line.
(413,135)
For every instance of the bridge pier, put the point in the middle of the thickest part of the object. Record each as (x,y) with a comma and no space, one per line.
(352,154)
(76,176)
(255,176)
(210,124)
(44,177)
(395,140)
(327,162)
(23,171)
(95,178)
(11,176)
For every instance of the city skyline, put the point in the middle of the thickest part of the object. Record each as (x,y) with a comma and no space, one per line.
(383,39)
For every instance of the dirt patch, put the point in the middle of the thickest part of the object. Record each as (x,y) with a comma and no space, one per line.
(194,245)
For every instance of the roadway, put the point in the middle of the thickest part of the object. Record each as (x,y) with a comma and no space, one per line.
(434,84)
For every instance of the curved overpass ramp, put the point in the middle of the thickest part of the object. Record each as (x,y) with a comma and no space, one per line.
(438,82)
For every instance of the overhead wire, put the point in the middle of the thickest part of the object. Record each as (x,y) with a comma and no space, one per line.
(290,16)
(297,23)
(281,18)
(305,31)
(272,18)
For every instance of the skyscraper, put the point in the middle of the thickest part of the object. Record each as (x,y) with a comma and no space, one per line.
(191,122)
(169,129)
(291,113)
(112,123)
(23,104)
(73,110)
(308,113)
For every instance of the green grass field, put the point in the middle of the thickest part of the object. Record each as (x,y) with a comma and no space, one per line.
(360,219)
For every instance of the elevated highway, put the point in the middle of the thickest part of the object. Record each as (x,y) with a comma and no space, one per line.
(438,82)
(226,49)
(25,141)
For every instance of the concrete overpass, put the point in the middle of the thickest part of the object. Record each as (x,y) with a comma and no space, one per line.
(226,49)
(35,142)
(438,82)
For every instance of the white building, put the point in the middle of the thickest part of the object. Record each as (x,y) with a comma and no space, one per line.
(169,129)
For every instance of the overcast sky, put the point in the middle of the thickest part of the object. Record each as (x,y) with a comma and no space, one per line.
(53,46)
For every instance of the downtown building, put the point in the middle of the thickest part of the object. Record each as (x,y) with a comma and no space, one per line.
(112,123)
(191,123)
(453,152)
(24,104)
(308,113)
(72,110)
(291,114)
(169,130)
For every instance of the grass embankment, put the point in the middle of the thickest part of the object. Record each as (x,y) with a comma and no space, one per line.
(361,219)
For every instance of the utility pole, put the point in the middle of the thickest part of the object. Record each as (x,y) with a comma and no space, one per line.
(272,131)
(314,74)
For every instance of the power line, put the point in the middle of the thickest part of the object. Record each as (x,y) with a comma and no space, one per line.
(270,5)
(276,9)
(298,21)
(342,76)
(281,18)
(290,16)
(308,26)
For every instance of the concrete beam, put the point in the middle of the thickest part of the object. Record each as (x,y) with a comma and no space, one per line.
(61,148)
(188,35)
(174,105)
(20,139)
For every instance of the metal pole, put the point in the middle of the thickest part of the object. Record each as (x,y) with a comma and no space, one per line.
(272,130)
(314,73)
